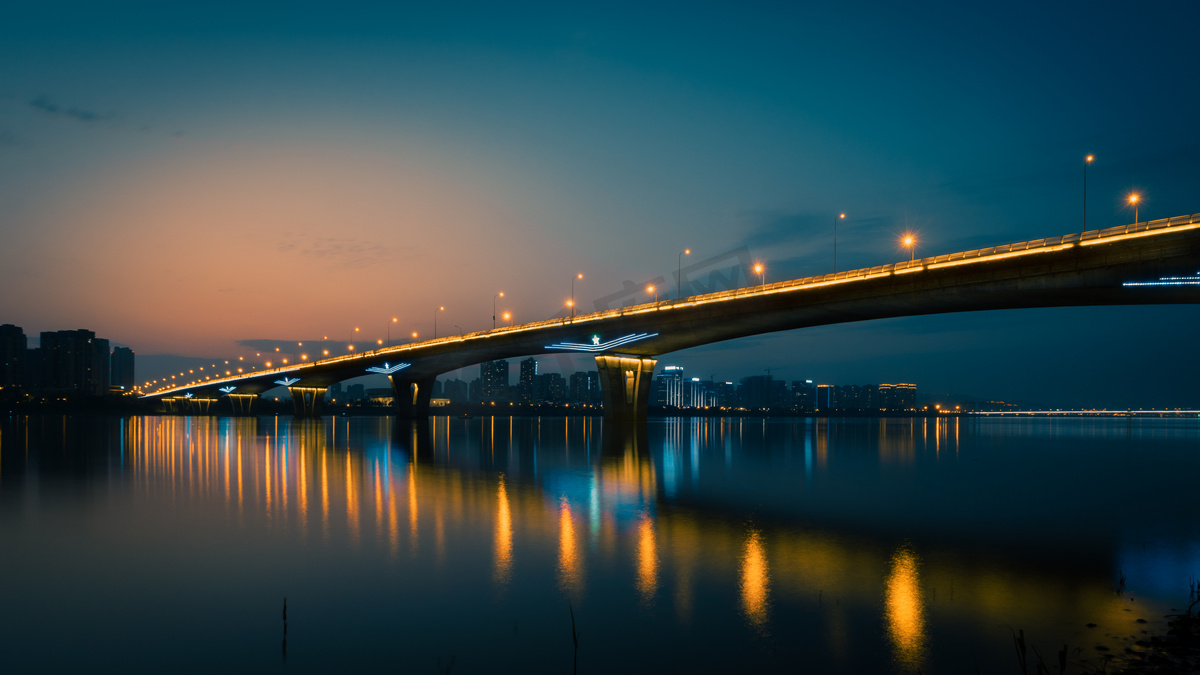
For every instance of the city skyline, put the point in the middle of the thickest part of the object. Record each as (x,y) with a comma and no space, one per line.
(331,173)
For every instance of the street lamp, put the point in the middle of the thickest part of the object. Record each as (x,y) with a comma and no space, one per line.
(679,271)
(1134,198)
(389,331)
(761,270)
(494,298)
(571,302)
(439,309)
(652,289)
(508,317)
(350,347)
(841,216)
(911,242)
(1086,160)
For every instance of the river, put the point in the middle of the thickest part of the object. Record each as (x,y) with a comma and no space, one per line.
(151,544)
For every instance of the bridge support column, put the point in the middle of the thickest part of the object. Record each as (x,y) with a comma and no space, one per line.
(411,397)
(307,400)
(625,386)
(242,403)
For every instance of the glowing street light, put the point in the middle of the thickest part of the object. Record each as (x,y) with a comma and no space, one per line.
(494,298)
(508,317)
(652,289)
(679,271)
(841,216)
(761,270)
(571,302)
(389,331)
(439,309)
(1134,198)
(1086,160)
(350,346)
(910,241)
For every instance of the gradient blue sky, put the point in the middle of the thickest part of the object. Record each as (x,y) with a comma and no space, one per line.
(183,178)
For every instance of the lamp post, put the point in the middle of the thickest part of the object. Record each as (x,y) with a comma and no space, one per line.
(389,331)
(351,346)
(508,317)
(911,242)
(679,271)
(571,302)
(652,289)
(841,216)
(494,298)
(1134,198)
(439,309)
(1086,160)
(761,270)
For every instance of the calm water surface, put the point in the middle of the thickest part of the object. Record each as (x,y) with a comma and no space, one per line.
(151,544)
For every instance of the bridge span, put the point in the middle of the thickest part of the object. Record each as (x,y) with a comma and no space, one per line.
(1123,265)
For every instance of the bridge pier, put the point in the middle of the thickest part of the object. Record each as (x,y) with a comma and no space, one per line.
(411,397)
(307,400)
(625,386)
(242,403)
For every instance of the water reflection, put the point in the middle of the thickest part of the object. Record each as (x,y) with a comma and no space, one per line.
(845,513)
(504,535)
(647,556)
(905,609)
(569,562)
(755,578)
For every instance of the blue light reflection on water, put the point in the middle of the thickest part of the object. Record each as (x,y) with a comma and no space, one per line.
(832,544)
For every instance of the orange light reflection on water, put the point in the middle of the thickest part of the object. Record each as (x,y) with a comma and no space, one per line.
(755,581)
(905,609)
(504,536)
(647,584)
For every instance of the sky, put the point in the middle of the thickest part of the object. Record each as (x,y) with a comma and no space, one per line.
(196,181)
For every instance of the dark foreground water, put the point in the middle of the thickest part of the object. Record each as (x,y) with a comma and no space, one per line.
(169,544)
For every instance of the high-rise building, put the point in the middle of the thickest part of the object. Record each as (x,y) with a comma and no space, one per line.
(525,385)
(905,396)
(456,390)
(804,395)
(75,360)
(671,387)
(585,387)
(549,388)
(122,368)
(13,347)
(494,375)
(825,398)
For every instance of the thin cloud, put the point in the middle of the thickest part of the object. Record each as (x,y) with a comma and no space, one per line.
(46,105)
(342,252)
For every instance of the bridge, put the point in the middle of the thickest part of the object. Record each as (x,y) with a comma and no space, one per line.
(1155,262)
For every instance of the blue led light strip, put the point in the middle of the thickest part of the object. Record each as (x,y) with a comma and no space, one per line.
(226,390)
(1168,281)
(288,381)
(388,370)
(598,346)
